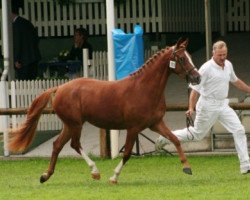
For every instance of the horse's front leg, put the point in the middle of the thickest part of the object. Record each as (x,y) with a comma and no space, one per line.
(75,144)
(162,129)
(130,140)
(57,147)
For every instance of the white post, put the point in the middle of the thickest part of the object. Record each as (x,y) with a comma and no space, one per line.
(114,134)
(85,63)
(8,69)
(208,29)
(7,41)
(4,118)
(110,27)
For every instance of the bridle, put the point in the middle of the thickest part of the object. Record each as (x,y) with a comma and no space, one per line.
(189,119)
(180,61)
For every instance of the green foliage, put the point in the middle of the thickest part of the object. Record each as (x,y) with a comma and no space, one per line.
(148,177)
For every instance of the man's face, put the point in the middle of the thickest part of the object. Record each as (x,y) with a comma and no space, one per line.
(220,55)
(78,37)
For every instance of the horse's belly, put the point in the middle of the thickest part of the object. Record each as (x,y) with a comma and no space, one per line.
(106,124)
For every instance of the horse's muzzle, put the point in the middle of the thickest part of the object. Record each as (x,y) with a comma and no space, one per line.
(195,80)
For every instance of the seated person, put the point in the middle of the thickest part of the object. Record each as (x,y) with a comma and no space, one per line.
(63,68)
(80,42)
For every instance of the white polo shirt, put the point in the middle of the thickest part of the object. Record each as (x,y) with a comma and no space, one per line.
(215,80)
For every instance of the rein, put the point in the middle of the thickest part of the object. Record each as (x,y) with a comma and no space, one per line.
(180,61)
(189,119)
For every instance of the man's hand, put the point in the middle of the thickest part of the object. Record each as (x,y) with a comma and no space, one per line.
(189,113)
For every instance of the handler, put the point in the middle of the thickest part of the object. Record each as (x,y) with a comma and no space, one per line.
(212,105)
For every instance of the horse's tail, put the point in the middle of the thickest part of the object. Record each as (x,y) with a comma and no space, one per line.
(22,137)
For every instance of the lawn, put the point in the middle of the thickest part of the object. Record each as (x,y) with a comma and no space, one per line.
(148,177)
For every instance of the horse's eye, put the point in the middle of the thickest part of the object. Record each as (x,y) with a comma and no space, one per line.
(182,59)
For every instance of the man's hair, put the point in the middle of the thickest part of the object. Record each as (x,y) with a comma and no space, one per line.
(219,45)
(15,5)
(83,32)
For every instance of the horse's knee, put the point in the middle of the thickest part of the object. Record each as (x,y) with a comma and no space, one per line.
(76,146)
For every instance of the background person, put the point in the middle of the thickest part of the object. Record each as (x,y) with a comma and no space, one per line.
(25,46)
(80,43)
(213,105)
(76,52)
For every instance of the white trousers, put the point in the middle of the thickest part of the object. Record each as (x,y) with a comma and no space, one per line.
(207,113)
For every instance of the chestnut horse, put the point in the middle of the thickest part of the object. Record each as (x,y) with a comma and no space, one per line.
(134,103)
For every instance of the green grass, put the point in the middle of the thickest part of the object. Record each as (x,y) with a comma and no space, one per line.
(149,178)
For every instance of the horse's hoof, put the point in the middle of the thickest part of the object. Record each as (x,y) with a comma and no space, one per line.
(96,176)
(43,179)
(187,171)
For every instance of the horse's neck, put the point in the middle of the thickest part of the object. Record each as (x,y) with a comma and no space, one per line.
(154,76)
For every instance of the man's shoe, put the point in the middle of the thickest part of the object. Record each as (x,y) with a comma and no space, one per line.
(160,143)
(245,169)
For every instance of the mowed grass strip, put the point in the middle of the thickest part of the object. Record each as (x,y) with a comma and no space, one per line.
(148,177)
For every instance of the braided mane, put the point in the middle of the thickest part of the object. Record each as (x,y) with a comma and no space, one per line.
(149,61)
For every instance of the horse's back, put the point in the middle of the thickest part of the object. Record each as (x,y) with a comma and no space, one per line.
(87,100)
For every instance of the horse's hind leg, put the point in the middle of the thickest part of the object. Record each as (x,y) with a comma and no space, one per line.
(130,140)
(75,144)
(58,144)
(162,129)
(94,171)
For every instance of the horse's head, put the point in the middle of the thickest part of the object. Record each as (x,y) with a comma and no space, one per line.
(182,64)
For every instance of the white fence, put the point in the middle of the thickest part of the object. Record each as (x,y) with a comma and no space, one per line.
(22,93)
(99,65)
(53,19)
(238,15)
(189,15)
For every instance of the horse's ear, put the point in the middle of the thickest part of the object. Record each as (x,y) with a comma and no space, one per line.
(182,42)
(186,42)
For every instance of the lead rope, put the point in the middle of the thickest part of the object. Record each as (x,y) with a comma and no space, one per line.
(189,119)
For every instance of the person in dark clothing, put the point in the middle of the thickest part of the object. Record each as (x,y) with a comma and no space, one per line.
(80,42)
(25,45)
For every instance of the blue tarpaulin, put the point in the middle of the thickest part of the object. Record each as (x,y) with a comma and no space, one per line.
(129,51)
